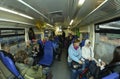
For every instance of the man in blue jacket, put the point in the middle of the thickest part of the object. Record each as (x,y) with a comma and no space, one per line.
(74,54)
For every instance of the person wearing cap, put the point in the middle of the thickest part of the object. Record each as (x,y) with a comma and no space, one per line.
(88,55)
(74,54)
(87,50)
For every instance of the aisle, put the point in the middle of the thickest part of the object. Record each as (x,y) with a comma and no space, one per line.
(60,69)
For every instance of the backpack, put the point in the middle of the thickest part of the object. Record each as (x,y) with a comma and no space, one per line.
(34,72)
(75,65)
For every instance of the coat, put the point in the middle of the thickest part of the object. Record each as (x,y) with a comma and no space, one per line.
(73,54)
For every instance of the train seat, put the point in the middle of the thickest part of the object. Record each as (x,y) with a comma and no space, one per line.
(112,76)
(9,64)
(1,55)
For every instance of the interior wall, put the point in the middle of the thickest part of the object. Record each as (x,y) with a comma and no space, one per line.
(104,47)
(14,46)
(104,51)
(90,30)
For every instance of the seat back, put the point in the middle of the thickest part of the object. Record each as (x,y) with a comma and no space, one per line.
(112,76)
(4,72)
(1,56)
(10,65)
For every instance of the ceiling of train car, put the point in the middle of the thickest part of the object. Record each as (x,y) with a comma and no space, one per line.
(59,12)
(108,10)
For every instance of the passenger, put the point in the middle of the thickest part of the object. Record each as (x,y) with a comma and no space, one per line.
(44,40)
(113,66)
(74,54)
(88,55)
(87,51)
(69,41)
(31,34)
(6,51)
(29,72)
(60,43)
(36,53)
(116,57)
(28,48)
(22,57)
(41,48)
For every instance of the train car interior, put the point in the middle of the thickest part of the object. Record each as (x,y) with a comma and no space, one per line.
(59,39)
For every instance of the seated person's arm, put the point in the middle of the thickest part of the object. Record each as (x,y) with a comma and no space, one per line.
(76,59)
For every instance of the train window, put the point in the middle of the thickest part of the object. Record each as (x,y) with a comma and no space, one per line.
(109,32)
(107,38)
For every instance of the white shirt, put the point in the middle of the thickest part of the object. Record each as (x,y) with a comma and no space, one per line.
(87,52)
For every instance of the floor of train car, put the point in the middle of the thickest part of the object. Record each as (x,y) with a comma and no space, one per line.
(60,69)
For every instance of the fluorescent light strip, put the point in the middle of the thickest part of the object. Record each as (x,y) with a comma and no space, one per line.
(71,22)
(13,21)
(81,2)
(94,10)
(14,12)
(21,1)
(108,27)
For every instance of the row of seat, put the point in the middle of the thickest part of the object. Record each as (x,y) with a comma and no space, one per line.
(112,76)
(46,60)
(10,65)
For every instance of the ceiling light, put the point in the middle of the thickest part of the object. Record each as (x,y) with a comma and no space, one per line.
(71,22)
(108,27)
(13,21)
(81,2)
(14,12)
(21,1)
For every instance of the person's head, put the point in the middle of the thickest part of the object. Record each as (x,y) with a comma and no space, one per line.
(21,56)
(76,42)
(87,43)
(116,55)
(6,48)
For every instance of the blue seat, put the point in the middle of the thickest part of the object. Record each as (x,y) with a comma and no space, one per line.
(1,56)
(10,65)
(48,54)
(112,76)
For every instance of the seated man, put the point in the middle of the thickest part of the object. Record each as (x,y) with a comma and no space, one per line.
(22,63)
(6,50)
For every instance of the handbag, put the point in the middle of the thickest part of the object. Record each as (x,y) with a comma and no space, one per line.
(75,65)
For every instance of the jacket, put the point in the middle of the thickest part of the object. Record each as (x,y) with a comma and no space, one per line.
(73,54)
(33,72)
(87,52)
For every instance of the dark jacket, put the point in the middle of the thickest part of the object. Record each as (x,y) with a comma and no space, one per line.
(115,67)
(110,68)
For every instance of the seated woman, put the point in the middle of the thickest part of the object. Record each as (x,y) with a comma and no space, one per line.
(22,63)
(113,66)
(74,54)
